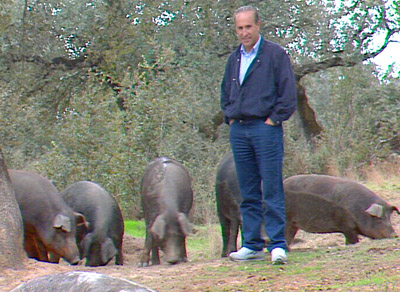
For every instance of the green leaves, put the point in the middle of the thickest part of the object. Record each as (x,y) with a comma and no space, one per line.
(97,89)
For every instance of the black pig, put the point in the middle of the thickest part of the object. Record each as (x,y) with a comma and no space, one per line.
(167,198)
(102,240)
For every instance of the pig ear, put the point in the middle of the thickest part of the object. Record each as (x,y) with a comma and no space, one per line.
(62,222)
(375,210)
(394,208)
(108,250)
(81,220)
(186,226)
(159,226)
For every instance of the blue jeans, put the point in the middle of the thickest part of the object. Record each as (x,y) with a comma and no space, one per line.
(258,150)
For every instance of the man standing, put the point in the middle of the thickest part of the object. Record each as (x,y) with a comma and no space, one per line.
(258,93)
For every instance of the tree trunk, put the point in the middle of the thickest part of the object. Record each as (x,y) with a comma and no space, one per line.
(12,254)
(309,123)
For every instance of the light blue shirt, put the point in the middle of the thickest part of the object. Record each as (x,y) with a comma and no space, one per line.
(247,58)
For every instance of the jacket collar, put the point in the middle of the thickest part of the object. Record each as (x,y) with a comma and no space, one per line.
(251,67)
(262,43)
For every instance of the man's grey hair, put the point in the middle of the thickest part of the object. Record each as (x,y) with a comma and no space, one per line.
(257,17)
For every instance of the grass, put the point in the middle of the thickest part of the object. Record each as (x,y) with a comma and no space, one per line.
(204,243)
(135,228)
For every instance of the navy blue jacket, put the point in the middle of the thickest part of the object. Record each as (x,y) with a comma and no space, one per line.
(268,88)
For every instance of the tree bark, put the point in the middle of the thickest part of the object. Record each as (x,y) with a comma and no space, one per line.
(12,254)
(308,119)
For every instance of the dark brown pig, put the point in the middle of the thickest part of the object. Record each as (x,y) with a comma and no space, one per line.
(228,201)
(167,198)
(102,240)
(371,213)
(315,214)
(49,224)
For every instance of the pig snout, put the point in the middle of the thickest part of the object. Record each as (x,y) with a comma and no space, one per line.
(72,257)
(175,251)
(388,231)
(384,232)
(173,261)
(390,234)
(176,260)
(70,252)
(75,261)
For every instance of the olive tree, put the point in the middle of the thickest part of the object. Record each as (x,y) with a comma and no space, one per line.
(96,89)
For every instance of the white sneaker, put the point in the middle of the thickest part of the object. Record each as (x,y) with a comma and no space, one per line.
(246,254)
(278,256)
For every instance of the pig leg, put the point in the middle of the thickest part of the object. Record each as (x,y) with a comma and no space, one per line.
(144,262)
(291,231)
(54,258)
(225,230)
(31,247)
(36,249)
(44,255)
(233,235)
(351,236)
(150,245)
(155,255)
(119,259)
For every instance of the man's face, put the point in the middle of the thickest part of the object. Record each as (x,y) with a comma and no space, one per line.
(247,29)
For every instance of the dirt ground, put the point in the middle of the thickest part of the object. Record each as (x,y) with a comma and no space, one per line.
(217,274)
(155,277)
(331,266)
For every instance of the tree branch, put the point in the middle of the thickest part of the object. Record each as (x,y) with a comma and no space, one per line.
(342,59)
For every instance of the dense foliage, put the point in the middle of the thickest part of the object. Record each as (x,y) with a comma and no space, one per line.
(96,89)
